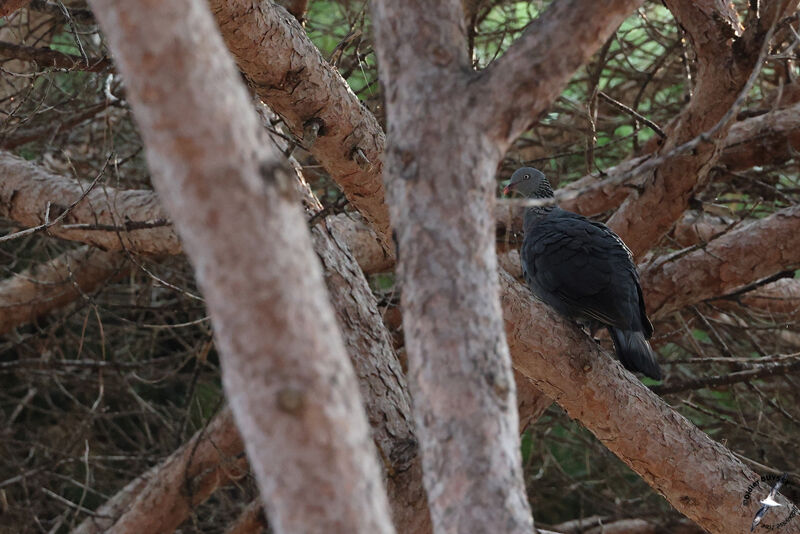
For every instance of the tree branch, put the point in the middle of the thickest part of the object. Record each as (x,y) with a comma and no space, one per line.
(27,189)
(162,498)
(724,71)
(698,476)
(748,253)
(46,57)
(781,296)
(762,371)
(250,521)
(298,84)
(768,139)
(525,81)
(28,295)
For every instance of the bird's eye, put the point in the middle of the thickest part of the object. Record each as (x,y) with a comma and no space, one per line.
(526,177)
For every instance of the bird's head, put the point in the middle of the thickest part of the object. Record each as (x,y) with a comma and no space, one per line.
(530,183)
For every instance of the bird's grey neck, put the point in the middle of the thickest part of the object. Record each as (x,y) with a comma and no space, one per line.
(536,213)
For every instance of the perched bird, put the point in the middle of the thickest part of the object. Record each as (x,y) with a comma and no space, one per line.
(584,270)
(768,502)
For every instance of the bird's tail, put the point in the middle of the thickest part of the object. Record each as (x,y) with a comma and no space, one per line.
(635,353)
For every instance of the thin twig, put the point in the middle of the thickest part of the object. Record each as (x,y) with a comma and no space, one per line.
(47,223)
(633,113)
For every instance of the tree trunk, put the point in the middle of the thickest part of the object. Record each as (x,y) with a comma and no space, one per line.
(441,194)
(231,195)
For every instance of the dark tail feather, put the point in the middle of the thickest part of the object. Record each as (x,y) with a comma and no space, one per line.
(635,353)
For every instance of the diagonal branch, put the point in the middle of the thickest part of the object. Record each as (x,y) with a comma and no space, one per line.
(163,497)
(741,256)
(289,73)
(698,476)
(526,80)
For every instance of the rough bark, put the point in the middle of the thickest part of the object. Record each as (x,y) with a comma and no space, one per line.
(531,403)
(737,258)
(363,242)
(162,498)
(116,219)
(296,7)
(698,476)
(381,380)
(381,384)
(781,296)
(768,139)
(723,70)
(37,291)
(459,367)
(591,196)
(285,370)
(107,218)
(298,84)
(697,227)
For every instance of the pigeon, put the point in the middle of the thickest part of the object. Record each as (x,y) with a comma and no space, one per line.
(768,502)
(585,272)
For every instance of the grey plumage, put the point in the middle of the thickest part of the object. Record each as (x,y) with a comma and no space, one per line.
(585,272)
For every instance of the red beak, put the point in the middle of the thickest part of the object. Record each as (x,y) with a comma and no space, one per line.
(507,190)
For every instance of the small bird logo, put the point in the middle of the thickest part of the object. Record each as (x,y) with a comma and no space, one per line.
(768,502)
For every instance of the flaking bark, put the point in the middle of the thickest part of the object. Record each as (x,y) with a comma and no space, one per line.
(751,252)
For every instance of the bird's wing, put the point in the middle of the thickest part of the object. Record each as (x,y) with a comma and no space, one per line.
(774,491)
(584,266)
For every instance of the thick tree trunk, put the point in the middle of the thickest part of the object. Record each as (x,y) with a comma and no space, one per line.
(230,193)
(440,189)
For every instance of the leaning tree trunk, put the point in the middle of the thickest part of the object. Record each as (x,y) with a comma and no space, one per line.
(231,196)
